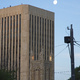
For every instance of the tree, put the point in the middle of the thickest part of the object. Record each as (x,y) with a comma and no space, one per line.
(6,75)
(77,73)
(6,70)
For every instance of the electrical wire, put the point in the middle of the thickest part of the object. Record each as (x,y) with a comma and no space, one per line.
(77,43)
(75,40)
(59,45)
(61,51)
(63,72)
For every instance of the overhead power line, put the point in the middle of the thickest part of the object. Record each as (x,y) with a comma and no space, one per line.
(77,43)
(61,51)
(59,45)
(63,72)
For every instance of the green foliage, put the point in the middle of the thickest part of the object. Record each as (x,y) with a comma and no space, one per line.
(77,73)
(6,75)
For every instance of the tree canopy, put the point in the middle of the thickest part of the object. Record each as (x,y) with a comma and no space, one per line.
(77,73)
(6,75)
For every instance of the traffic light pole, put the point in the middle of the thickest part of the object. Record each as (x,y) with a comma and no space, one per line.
(72,54)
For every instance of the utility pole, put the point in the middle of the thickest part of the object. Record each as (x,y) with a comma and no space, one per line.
(69,39)
(72,54)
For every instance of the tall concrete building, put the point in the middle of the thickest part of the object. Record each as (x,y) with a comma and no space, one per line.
(27,42)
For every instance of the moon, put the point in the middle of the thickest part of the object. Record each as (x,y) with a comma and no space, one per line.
(55,2)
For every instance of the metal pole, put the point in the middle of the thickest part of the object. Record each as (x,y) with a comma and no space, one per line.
(72,54)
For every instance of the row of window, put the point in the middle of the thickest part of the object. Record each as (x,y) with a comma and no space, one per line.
(9,44)
(41,32)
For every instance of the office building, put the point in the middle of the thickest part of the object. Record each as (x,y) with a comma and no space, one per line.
(27,42)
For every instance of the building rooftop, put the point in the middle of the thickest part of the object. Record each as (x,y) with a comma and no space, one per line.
(26,9)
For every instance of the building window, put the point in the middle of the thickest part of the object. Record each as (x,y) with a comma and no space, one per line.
(16,42)
(35,41)
(37,36)
(19,43)
(45,39)
(2,44)
(40,34)
(10,40)
(50,36)
(29,34)
(32,57)
(13,42)
(50,58)
(32,32)
(7,41)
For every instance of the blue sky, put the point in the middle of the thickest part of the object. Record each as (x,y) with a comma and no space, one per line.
(66,12)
